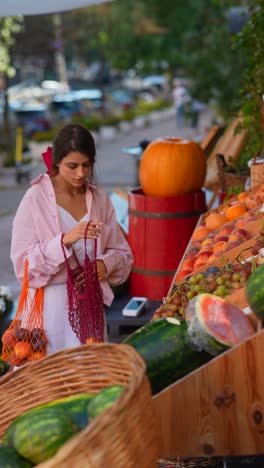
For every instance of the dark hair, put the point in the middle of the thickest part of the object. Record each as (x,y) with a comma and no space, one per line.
(73,137)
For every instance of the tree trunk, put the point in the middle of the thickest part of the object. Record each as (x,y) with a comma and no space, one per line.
(7,137)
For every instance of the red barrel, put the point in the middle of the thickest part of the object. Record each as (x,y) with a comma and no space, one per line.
(159,231)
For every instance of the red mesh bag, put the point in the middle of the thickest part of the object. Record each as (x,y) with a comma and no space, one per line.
(85,302)
(25,339)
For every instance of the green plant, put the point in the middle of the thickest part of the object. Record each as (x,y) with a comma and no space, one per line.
(251,41)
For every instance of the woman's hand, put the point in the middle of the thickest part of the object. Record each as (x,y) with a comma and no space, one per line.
(78,232)
(101,270)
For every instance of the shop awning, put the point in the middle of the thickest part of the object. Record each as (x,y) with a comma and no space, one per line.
(37,7)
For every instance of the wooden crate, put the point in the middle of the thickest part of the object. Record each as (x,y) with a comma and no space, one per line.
(217,410)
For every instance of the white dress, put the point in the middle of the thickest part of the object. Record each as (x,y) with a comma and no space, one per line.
(56,322)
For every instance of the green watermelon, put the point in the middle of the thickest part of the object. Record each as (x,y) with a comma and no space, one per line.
(4,367)
(166,348)
(104,399)
(255,292)
(39,435)
(9,458)
(215,325)
(75,406)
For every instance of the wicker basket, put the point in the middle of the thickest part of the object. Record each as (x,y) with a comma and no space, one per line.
(125,435)
(256,174)
(227,179)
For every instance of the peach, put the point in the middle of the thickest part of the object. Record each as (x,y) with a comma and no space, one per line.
(191,255)
(225,231)
(208,241)
(232,245)
(221,239)
(204,255)
(200,233)
(182,274)
(235,236)
(220,246)
(199,263)
(205,250)
(188,264)
(215,221)
(244,233)
(242,196)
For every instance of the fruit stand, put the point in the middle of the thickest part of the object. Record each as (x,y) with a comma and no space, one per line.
(217,409)
(201,351)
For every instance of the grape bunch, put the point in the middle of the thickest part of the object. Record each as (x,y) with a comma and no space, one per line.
(219,281)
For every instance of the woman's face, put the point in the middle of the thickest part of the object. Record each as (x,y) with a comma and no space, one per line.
(75,168)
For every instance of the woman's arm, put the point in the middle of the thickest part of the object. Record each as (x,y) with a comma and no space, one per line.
(117,255)
(44,258)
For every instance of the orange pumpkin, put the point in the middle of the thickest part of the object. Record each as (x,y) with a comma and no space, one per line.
(172,166)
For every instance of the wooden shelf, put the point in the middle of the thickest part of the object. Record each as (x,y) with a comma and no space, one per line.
(217,410)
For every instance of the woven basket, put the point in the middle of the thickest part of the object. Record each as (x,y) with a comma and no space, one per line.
(227,179)
(125,435)
(256,174)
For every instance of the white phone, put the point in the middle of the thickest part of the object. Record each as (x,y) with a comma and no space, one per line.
(135,306)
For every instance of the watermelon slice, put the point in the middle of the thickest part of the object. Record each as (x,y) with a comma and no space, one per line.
(215,325)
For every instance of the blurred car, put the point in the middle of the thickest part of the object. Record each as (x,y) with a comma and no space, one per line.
(64,107)
(75,103)
(121,97)
(90,99)
(33,117)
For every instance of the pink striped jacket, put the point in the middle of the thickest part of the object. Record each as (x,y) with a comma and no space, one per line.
(36,235)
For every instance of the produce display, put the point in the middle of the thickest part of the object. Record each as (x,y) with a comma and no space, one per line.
(251,199)
(205,247)
(172,166)
(220,281)
(39,433)
(172,348)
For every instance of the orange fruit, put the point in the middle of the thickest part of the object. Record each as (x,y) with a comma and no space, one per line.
(235,211)
(200,233)
(242,196)
(215,221)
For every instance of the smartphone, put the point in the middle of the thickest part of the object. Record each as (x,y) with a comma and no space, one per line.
(135,306)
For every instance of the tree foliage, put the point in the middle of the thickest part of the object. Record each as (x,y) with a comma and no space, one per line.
(251,42)
(9,27)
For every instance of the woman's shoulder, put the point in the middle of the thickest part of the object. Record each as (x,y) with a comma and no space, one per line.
(98,192)
(37,189)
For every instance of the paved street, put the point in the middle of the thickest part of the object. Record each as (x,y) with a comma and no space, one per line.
(114,169)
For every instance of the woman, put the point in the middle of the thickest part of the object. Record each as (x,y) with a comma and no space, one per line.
(57,209)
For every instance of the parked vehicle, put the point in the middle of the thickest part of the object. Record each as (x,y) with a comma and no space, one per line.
(33,117)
